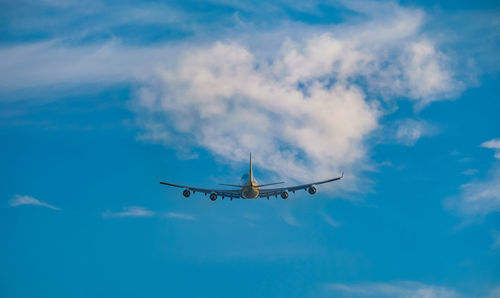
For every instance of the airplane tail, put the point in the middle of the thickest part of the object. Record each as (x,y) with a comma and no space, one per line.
(250,178)
(251,170)
(251,175)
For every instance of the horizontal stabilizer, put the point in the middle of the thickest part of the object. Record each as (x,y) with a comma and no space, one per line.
(233,185)
(269,184)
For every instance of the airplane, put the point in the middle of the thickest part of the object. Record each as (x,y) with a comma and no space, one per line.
(250,189)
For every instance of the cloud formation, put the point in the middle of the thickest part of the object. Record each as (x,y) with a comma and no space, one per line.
(218,100)
(20,200)
(132,211)
(409,131)
(176,215)
(480,197)
(138,211)
(52,63)
(398,289)
(305,106)
(493,144)
(304,110)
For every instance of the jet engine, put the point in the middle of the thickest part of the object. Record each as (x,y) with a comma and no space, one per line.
(284,195)
(213,196)
(186,193)
(311,190)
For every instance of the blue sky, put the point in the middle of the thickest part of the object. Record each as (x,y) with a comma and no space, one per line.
(101,100)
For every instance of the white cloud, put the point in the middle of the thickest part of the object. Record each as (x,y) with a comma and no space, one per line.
(493,144)
(409,131)
(177,215)
(217,99)
(306,109)
(303,111)
(138,211)
(393,289)
(479,197)
(19,200)
(424,69)
(51,63)
(132,211)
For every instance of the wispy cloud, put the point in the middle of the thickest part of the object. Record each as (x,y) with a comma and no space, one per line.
(176,215)
(493,144)
(409,131)
(396,289)
(20,200)
(132,211)
(480,197)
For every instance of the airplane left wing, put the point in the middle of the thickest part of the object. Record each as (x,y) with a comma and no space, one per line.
(227,193)
(309,187)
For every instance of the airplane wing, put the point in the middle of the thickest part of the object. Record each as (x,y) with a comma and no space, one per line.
(278,191)
(227,193)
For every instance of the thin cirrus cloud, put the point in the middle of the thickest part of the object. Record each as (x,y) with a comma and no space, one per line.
(313,100)
(132,211)
(398,289)
(177,215)
(21,200)
(409,131)
(480,197)
(139,211)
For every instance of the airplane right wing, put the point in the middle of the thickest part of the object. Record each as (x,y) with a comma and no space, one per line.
(309,187)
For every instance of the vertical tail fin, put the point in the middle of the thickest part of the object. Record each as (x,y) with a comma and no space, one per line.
(251,170)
